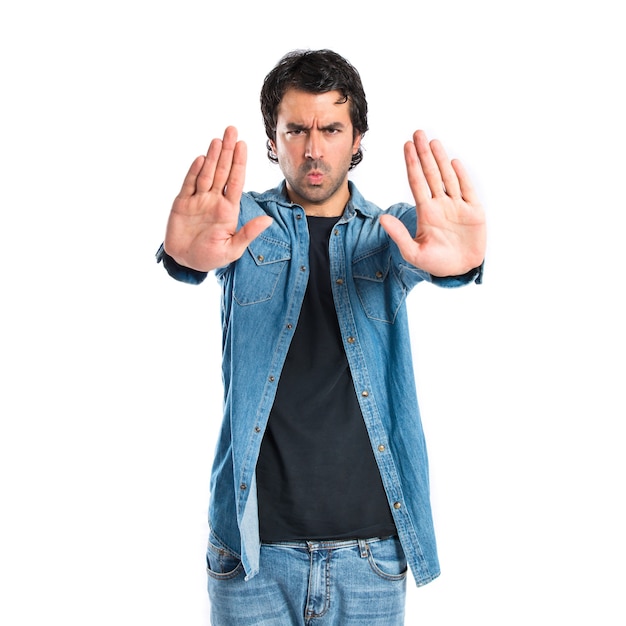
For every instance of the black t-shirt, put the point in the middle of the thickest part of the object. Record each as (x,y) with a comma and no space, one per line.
(316,474)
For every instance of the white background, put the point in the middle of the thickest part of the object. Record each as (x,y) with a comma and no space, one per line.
(111,389)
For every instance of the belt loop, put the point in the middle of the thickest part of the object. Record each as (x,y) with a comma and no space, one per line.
(363,547)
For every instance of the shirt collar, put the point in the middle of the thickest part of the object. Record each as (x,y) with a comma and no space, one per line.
(356,204)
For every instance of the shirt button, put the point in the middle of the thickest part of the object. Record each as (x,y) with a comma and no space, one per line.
(303,268)
(351,339)
(289,326)
(257,429)
(272,379)
(336,232)
(365,394)
(397,505)
(298,216)
(243,487)
(261,258)
(381,448)
(339,281)
(379,274)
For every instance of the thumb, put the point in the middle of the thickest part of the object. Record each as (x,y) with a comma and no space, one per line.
(397,231)
(251,230)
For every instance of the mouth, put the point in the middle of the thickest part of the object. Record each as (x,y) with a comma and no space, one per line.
(315,177)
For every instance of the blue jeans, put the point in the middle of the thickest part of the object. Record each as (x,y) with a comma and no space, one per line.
(326,583)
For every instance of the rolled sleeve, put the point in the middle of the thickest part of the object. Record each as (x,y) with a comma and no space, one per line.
(177,271)
(473,276)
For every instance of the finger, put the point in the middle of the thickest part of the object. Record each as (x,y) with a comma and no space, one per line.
(190,182)
(207,173)
(465,184)
(237,174)
(428,163)
(225,159)
(446,171)
(417,180)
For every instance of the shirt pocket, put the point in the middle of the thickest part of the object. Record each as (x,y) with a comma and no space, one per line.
(380,291)
(259,270)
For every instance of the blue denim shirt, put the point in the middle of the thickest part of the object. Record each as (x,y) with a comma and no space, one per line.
(262,293)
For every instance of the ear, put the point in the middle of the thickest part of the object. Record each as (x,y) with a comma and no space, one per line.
(272,145)
(356,144)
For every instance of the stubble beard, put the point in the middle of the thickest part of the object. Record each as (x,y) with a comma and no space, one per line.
(318,194)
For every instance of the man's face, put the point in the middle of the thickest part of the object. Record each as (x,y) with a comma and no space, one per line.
(314,145)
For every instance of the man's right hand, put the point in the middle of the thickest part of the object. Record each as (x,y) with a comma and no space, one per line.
(202,227)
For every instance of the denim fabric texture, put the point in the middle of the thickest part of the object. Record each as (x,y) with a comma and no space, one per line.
(334,583)
(262,293)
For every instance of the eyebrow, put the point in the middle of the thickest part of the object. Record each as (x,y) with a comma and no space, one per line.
(331,126)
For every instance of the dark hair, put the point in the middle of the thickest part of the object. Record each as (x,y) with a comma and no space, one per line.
(314,71)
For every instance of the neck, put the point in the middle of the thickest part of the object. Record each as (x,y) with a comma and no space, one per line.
(318,213)
(333,206)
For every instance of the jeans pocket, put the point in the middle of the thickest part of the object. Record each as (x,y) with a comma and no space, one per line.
(222,563)
(387,559)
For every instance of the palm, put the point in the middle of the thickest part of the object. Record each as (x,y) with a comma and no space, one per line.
(202,227)
(451,234)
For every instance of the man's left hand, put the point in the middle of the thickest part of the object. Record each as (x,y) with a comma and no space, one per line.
(451,232)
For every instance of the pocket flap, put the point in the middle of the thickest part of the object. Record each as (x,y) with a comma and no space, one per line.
(265,250)
(375,266)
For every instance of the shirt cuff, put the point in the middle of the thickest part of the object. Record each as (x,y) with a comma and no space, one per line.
(177,271)
(475,275)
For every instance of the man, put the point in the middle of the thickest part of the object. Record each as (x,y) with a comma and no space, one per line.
(319,489)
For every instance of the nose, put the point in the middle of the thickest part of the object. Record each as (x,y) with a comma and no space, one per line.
(313,149)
